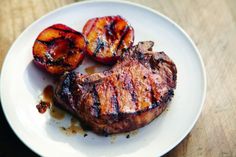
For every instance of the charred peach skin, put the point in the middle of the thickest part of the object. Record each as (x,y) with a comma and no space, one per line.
(106,36)
(59,48)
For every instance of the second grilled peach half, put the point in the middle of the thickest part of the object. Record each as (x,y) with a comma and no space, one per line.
(106,37)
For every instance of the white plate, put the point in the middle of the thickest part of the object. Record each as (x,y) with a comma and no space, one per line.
(22,83)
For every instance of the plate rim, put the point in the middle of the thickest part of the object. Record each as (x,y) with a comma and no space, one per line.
(170,147)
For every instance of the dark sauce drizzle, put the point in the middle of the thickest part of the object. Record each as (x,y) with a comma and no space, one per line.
(47,99)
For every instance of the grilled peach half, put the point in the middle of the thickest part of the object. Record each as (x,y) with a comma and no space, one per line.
(107,37)
(59,48)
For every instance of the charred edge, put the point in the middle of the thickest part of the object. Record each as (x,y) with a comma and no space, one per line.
(174,71)
(96,104)
(174,77)
(100,44)
(154,101)
(161,60)
(105,133)
(170,92)
(167,97)
(126,30)
(52,42)
(84,125)
(66,93)
(39,59)
(170,64)
(68,31)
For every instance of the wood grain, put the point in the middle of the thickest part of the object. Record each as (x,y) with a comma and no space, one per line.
(211,24)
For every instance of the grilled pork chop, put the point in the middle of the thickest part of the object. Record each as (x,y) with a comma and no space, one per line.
(128,96)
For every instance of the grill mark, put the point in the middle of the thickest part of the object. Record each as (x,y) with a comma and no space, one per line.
(110,29)
(114,101)
(60,61)
(67,31)
(39,59)
(52,42)
(155,102)
(161,61)
(96,102)
(133,94)
(126,30)
(100,44)
(92,27)
(47,43)
(129,85)
(49,62)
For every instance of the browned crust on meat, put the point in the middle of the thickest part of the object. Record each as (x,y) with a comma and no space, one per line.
(130,95)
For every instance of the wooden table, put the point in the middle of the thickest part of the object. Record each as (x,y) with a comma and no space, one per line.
(210,23)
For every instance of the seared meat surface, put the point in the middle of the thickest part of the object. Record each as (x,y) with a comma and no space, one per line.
(128,96)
